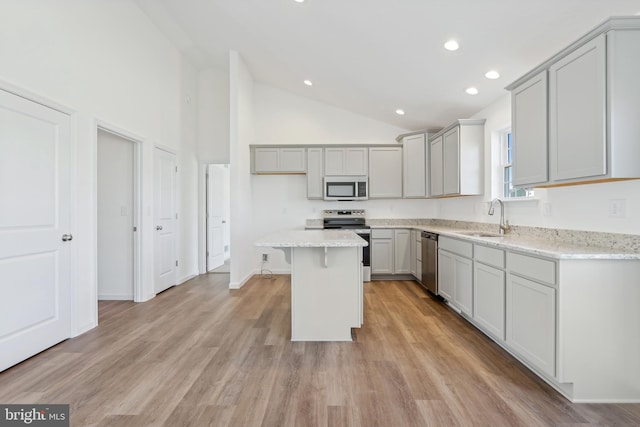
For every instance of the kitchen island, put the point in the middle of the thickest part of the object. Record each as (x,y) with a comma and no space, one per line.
(326,282)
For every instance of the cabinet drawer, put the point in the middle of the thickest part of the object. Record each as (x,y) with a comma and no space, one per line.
(489,256)
(378,233)
(456,246)
(543,270)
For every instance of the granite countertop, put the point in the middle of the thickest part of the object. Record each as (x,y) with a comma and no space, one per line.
(552,248)
(547,242)
(312,239)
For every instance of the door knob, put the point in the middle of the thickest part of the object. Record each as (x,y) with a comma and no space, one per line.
(159,227)
(67,237)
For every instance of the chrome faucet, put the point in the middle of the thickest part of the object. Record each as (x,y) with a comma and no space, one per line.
(504,226)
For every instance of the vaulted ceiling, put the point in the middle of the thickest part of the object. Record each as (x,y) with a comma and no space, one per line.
(372,57)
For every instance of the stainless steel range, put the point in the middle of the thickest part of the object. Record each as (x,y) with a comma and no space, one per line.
(354,220)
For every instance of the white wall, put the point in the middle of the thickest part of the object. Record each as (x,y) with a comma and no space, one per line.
(106,61)
(188,174)
(213,116)
(284,118)
(241,135)
(582,207)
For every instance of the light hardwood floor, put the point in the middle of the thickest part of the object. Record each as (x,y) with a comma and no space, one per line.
(200,354)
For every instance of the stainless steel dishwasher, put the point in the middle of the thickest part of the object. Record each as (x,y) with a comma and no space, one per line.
(430,261)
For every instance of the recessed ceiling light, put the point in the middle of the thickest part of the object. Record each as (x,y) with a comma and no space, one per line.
(400,112)
(308,82)
(493,74)
(451,45)
(299,1)
(472,91)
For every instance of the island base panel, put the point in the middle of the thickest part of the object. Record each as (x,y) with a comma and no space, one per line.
(325,300)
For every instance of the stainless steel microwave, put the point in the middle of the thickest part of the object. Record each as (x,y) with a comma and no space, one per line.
(346,188)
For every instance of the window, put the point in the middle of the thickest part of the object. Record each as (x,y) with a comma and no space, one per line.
(508,190)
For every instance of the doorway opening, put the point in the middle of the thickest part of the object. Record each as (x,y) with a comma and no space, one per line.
(118,210)
(218,212)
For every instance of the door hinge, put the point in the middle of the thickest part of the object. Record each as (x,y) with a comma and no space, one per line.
(207,253)
(176,263)
(135,229)
(176,169)
(176,216)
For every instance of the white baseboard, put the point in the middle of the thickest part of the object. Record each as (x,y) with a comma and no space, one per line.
(185,279)
(275,271)
(238,285)
(84,328)
(116,297)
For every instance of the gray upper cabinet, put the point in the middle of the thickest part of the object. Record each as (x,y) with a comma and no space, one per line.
(385,172)
(593,103)
(456,154)
(315,168)
(529,130)
(414,153)
(577,138)
(278,160)
(346,161)
(451,161)
(436,167)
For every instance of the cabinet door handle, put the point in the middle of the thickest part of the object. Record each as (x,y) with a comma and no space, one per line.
(67,237)
(159,227)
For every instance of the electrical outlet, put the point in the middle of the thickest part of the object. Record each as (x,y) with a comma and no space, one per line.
(265,257)
(617,208)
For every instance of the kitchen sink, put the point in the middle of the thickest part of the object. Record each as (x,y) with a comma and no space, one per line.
(480,234)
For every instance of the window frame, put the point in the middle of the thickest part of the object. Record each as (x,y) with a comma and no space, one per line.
(509,192)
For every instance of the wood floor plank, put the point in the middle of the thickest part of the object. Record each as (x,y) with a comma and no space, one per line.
(200,354)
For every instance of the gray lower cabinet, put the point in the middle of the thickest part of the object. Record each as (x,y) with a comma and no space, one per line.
(531,322)
(531,309)
(390,251)
(402,252)
(489,290)
(382,251)
(455,273)
(552,314)
(416,254)
(489,299)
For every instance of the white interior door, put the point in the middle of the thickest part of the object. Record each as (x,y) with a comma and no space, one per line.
(34,228)
(165,219)
(215,216)
(115,217)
